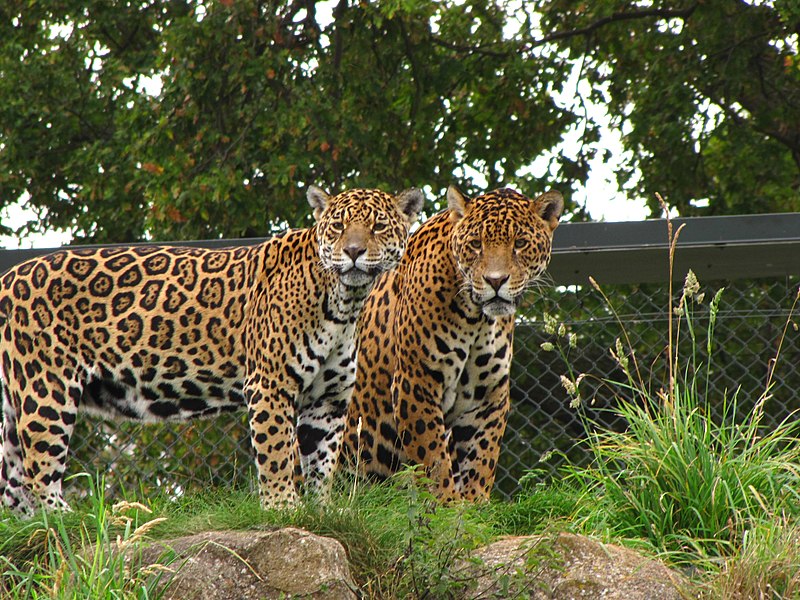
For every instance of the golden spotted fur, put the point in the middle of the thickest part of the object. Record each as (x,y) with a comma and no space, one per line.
(435,342)
(169,333)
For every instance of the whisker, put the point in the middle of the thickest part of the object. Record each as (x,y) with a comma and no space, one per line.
(326,268)
(464,287)
(545,279)
(537,286)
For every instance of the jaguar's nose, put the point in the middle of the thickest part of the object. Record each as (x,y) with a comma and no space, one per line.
(496,280)
(354,251)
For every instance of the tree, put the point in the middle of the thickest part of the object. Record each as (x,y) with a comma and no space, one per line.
(258,98)
(707,91)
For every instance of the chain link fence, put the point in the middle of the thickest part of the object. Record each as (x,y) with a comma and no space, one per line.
(546,426)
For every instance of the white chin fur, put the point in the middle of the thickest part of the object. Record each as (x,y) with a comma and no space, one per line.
(499,308)
(356,278)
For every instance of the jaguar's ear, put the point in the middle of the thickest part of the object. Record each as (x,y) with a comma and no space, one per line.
(317,199)
(457,203)
(410,203)
(549,207)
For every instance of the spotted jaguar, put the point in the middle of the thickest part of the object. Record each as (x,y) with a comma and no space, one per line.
(160,333)
(435,342)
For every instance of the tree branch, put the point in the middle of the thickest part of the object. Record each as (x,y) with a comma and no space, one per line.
(660,13)
(415,74)
(487,50)
(338,13)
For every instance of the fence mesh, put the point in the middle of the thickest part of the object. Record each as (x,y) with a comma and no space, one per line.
(747,332)
(545,427)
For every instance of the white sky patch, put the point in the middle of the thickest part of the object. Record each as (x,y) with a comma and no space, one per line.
(20,213)
(788,44)
(149,84)
(601,195)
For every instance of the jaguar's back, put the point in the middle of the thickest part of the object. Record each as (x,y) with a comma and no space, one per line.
(171,333)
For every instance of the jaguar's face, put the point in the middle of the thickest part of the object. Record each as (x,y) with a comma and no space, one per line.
(502,242)
(362,233)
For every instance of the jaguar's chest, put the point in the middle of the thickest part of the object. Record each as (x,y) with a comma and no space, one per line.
(478,357)
(325,360)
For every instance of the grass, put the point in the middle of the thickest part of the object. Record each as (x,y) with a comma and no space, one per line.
(78,555)
(693,478)
(713,493)
(400,542)
(656,486)
(690,485)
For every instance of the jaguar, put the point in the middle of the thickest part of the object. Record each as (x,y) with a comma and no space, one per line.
(435,342)
(167,333)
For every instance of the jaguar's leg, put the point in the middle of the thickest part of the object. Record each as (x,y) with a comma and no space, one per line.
(320,433)
(45,426)
(13,492)
(270,404)
(475,442)
(476,428)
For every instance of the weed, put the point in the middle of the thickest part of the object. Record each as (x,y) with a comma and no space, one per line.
(71,556)
(695,477)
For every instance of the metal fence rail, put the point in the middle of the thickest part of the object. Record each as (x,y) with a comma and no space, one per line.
(755,258)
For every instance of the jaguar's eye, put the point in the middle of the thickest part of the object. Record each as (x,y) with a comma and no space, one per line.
(520,243)
(475,244)
(336,227)
(380,227)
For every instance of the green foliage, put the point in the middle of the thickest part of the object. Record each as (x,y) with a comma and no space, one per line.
(691,84)
(72,557)
(198,119)
(256,99)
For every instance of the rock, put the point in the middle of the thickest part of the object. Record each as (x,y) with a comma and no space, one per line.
(569,567)
(240,565)
(292,563)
